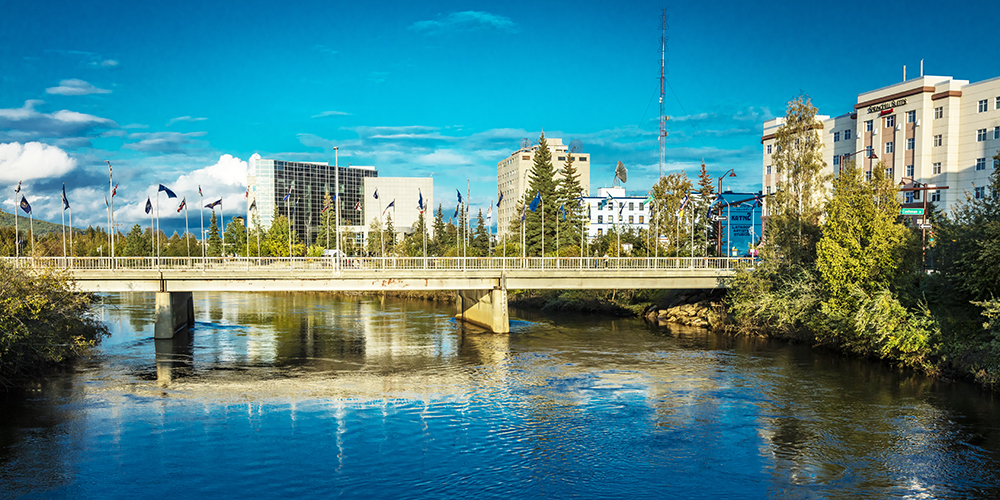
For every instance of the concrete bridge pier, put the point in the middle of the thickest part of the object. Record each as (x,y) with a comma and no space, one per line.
(174,311)
(485,308)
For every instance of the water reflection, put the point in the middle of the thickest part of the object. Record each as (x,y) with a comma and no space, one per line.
(395,399)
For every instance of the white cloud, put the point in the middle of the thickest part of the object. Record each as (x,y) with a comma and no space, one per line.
(25,123)
(162,142)
(465,20)
(185,119)
(32,160)
(75,87)
(109,63)
(331,113)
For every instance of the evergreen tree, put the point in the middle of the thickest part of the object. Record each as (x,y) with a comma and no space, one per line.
(326,234)
(137,243)
(666,220)
(704,229)
(258,237)
(276,242)
(793,223)
(236,236)
(390,235)
(374,244)
(440,234)
(569,193)
(480,244)
(541,182)
(214,241)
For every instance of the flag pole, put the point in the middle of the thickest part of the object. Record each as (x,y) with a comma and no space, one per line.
(64,222)
(187,231)
(156,231)
(201,208)
(31,223)
(246,224)
(111,209)
(336,192)
(222,228)
(17,231)
(71,253)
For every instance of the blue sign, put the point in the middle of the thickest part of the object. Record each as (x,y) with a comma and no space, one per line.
(740,226)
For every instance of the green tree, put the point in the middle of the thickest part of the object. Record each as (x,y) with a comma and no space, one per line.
(568,192)
(214,241)
(704,230)
(862,247)
(326,234)
(137,243)
(276,242)
(390,235)
(795,209)
(236,237)
(668,194)
(480,244)
(373,245)
(540,224)
(440,242)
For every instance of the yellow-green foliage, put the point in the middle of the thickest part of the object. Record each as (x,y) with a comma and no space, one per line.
(42,321)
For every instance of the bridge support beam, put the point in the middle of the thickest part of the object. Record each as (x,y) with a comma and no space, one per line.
(485,308)
(174,311)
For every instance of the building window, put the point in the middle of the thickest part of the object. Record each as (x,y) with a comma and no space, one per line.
(769,167)
(600,220)
(980,163)
(910,143)
(980,192)
(982,106)
(911,116)
(768,149)
(936,195)
(998,104)
(620,218)
(888,173)
(908,197)
(981,135)
(936,168)
(836,161)
(583,158)
(631,206)
(889,147)
(769,190)
(996,132)
(641,204)
(836,137)
(641,219)
(868,175)
(599,232)
(890,121)
(523,157)
(939,112)
(938,140)
(847,134)
(868,126)
(630,219)
(909,170)
(868,152)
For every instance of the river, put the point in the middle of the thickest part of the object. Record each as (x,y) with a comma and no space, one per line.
(317,396)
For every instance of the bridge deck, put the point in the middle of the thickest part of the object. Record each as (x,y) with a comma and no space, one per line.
(390,273)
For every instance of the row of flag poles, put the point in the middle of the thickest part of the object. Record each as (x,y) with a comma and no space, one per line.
(25,206)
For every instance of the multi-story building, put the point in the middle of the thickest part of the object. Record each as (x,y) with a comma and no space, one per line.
(404,194)
(612,208)
(305,183)
(513,176)
(932,130)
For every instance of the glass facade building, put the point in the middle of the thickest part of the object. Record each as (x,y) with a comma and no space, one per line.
(305,184)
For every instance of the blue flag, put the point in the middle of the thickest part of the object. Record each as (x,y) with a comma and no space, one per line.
(375,195)
(535,201)
(170,194)
(459,195)
(522,214)
(499,199)
(456,213)
(420,201)
(25,205)
(65,201)
(563,211)
(216,203)
(390,205)
(149,205)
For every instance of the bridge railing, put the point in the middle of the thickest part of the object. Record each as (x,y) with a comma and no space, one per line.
(348,264)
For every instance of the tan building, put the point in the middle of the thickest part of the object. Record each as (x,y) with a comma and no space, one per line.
(513,175)
(404,194)
(933,130)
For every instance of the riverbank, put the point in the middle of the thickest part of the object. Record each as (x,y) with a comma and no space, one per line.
(43,323)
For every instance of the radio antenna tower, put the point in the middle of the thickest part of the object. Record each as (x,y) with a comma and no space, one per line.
(663,86)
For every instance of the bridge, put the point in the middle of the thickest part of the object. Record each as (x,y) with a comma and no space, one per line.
(481,282)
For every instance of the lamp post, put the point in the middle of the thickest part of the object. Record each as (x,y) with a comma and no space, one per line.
(718,233)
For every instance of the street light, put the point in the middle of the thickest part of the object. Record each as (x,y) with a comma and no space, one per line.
(718,233)
(871,156)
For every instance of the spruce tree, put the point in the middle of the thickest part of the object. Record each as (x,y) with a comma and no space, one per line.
(541,182)
(569,193)
(214,241)
(480,244)
(703,226)
(326,232)
(440,234)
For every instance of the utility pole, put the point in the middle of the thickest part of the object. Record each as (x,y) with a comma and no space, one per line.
(663,87)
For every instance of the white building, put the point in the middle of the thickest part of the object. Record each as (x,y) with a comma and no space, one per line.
(932,130)
(513,176)
(617,211)
(404,194)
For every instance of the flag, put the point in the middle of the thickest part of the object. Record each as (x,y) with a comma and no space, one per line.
(183,204)
(649,199)
(535,201)
(149,205)
(588,211)
(65,201)
(214,204)
(106,201)
(199,190)
(562,211)
(605,201)
(109,166)
(456,213)
(684,203)
(489,213)
(420,201)
(165,189)
(522,213)
(253,206)
(357,206)
(25,206)
(18,190)
(459,195)
(375,194)
(327,207)
(114,190)
(499,199)
(288,194)
(620,210)
(247,194)
(390,205)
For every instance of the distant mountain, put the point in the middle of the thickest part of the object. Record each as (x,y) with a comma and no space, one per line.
(42,228)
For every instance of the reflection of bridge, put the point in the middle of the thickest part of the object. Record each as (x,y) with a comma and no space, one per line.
(481,282)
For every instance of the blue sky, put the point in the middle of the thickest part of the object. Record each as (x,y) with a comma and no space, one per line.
(184,92)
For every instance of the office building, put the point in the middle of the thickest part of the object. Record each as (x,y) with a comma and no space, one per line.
(305,184)
(932,130)
(612,208)
(403,193)
(513,176)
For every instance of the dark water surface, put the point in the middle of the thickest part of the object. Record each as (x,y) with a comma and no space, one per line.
(312,396)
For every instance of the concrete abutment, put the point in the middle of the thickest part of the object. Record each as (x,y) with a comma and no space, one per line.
(485,308)
(174,311)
